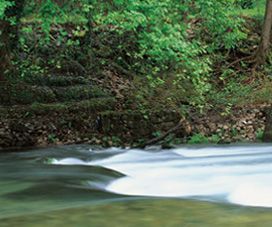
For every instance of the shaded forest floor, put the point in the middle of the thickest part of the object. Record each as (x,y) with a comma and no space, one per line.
(55,97)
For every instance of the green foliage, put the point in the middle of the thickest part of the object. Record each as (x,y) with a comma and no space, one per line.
(78,92)
(233,93)
(156,95)
(168,44)
(4,4)
(249,8)
(260,134)
(52,138)
(111,141)
(214,138)
(175,36)
(234,132)
(201,139)
(244,4)
(198,139)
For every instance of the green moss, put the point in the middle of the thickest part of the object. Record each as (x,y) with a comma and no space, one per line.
(78,92)
(14,94)
(24,94)
(56,80)
(95,104)
(39,107)
(98,104)
(201,139)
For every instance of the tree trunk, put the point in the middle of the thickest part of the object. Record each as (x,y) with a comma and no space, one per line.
(9,36)
(4,51)
(266,34)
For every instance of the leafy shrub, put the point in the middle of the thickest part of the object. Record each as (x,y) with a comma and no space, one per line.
(4,4)
(244,4)
(201,139)
(153,39)
(260,134)
(175,37)
(198,139)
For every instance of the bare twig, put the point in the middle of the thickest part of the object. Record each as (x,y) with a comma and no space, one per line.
(239,60)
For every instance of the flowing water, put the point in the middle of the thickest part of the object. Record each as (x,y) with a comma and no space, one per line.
(190,186)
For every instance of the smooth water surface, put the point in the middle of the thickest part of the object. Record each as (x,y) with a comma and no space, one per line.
(191,186)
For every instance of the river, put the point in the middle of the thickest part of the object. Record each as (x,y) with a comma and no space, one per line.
(79,185)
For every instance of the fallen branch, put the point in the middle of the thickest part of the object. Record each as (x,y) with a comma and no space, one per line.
(164,135)
(249,58)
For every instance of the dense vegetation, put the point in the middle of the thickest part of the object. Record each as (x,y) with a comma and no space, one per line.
(198,53)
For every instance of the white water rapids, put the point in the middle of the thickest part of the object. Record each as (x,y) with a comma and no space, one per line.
(236,174)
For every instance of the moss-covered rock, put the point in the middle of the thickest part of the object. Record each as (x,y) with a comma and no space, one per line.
(16,94)
(24,94)
(78,92)
(93,105)
(60,81)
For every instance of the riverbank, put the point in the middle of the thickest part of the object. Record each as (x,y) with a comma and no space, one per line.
(102,83)
(97,122)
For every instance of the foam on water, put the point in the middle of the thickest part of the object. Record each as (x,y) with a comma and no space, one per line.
(69,161)
(240,175)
